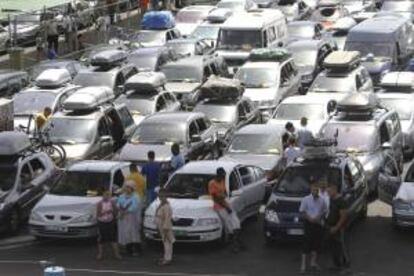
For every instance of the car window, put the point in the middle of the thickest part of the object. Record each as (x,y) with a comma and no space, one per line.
(234,183)
(25,175)
(170,35)
(358,82)
(241,111)
(193,130)
(260,174)
(353,170)
(247,175)
(102,128)
(37,166)
(201,125)
(384,133)
(118,179)
(130,72)
(160,105)
(120,80)
(126,117)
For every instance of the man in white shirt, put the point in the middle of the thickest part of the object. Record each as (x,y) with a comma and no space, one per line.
(292,151)
(313,209)
(304,134)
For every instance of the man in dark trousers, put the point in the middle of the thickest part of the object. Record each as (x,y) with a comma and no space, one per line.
(336,223)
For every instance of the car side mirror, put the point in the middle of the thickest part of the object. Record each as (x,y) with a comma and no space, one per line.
(195,138)
(386,146)
(105,139)
(236,193)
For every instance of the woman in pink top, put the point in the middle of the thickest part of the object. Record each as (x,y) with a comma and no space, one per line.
(106,213)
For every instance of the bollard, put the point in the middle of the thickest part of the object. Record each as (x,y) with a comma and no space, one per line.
(54,271)
(16,58)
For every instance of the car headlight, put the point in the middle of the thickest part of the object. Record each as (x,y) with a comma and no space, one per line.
(402,205)
(84,218)
(207,221)
(272,216)
(149,220)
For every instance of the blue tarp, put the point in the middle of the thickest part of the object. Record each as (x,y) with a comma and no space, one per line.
(157,20)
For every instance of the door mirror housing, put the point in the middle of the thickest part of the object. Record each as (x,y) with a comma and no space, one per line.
(236,193)
(195,138)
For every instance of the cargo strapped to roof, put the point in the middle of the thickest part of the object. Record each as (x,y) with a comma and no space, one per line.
(53,78)
(110,57)
(88,98)
(265,54)
(219,15)
(157,20)
(146,82)
(398,79)
(358,103)
(13,142)
(221,89)
(320,148)
(342,60)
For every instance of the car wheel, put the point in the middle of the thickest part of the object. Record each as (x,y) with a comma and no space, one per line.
(14,222)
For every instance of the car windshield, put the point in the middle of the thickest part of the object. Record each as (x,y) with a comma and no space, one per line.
(367,141)
(333,84)
(94,79)
(140,104)
(306,31)
(71,131)
(148,36)
(239,39)
(206,32)
(32,102)
(403,109)
(183,73)
(304,57)
(296,180)
(377,49)
(84,184)
(160,132)
(298,111)
(188,185)
(218,113)
(231,4)
(189,17)
(257,77)
(7,178)
(255,143)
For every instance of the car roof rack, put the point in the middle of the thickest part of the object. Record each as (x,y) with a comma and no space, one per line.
(108,58)
(265,54)
(53,78)
(219,15)
(342,61)
(146,82)
(88,98)
(358,106)
(218,88)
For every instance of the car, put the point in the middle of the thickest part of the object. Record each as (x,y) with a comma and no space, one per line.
(193,131)
(12,81)
(402,8)
(402,104)
(309,56)
(185,76)
(90,126)
(191,46)
(109,68)
(152,58)
(194,217)
(68,211)
(152,38)
(72,66)
(27,26)
(51,88)
(146,95)
(305,30)
(328,12)
(397,82)
(294,9)
(343,74)
(283,220)
(227,111)
(268,81)
(25,177)
(189,17)
(379,133)
(339,31)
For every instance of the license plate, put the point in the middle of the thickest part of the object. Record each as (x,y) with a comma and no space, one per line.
(180,233)
(295,232)
(56,228)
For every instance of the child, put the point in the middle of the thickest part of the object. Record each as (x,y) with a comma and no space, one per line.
(106,212)
(164,222)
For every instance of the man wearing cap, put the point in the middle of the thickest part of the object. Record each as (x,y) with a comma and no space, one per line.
(42,117)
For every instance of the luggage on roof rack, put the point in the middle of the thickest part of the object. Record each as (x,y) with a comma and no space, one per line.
(342,60)
(157,20)
(265,54)
(53,78)
(13,142)
(109,57)
(320,148)
(221,88)
(358,103)
(88,98)
(146,82)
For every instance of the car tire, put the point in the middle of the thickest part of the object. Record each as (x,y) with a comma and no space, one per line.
(14,221)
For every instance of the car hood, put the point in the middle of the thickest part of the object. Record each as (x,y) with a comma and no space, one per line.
(186,28)
(182,87)
(76,151)
(406,192)
(138,152)
(264,161)
(66,204)
(186,208)
(260,94)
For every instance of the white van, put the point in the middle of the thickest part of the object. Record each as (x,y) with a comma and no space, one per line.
(244,31)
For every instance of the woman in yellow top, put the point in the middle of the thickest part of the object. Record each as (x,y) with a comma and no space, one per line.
(139,181)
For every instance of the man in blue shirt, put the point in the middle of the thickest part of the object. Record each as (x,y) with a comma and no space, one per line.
(151,170)
(177,159)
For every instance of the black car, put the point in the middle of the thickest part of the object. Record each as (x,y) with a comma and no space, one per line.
(24,178)
(321,165)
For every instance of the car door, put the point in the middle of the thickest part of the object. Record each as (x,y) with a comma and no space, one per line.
(206,134)
(293,79)
(195,141)
(160,104)
(252,189)
(236,199)
(26,190)
(356,185)
(173,103)
(127,121)
(389,180)
(396,137)
(105,141)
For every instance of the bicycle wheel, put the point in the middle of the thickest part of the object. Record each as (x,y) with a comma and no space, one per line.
(56,153)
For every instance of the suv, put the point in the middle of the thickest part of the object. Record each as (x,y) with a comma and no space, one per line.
(25,177)
(319,164)
(185,76)
(343,74)
(379,133)
(90,127)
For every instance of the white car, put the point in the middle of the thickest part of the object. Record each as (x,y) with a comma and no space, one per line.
(188,18)
(194,219)
(69,209)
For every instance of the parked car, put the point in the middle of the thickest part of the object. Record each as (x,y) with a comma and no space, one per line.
(72,66)
(189,17)
(12,81)
(328,12)
(25,177)
(152,58)
(282,217)
(69,209)
(195,219)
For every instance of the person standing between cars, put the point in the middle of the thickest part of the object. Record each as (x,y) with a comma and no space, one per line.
(111,8)
(229,219)
(129,225)
(313,209)
(289,133)
(52,33)
(177,159)
(152,171)
(336,223)
(139,181)
(291,152)
(163,216)
(305,136)
(102,28)
(106,212)
(42,117)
